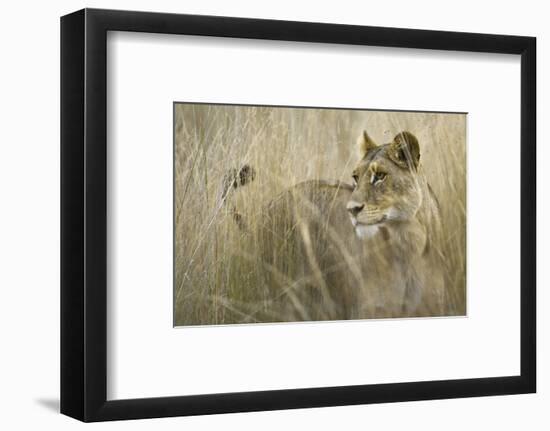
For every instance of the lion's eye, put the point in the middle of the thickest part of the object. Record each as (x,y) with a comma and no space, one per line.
(355,178)
(377,177)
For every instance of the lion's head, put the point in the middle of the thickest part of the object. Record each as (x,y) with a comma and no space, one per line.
(386,184)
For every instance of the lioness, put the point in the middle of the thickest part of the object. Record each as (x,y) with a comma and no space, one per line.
(394,209)
(331,250)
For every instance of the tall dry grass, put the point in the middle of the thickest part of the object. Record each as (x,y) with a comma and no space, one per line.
(220,277)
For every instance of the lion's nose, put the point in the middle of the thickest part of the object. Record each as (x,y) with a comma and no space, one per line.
(355,208)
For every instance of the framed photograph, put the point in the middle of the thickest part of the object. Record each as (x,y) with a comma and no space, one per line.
(261,215)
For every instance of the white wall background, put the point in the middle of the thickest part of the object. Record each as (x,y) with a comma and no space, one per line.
(29,220)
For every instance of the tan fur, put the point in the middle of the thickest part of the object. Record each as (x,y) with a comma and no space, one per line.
(339,251)
(392,196)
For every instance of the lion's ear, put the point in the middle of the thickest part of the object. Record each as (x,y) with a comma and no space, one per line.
(405,151)
(365,144)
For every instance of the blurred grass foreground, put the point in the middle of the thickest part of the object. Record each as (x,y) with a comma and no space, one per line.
(233,266)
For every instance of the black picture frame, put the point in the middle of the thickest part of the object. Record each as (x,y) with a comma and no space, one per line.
(84,214)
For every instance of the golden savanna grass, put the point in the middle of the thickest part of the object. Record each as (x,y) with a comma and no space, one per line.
(219,274)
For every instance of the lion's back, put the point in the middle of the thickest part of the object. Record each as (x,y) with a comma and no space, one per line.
(310,244)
